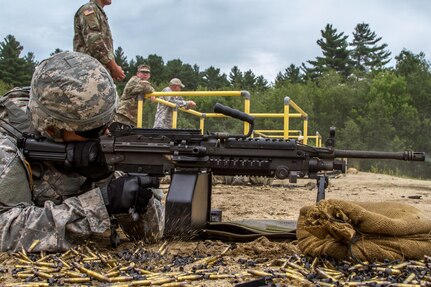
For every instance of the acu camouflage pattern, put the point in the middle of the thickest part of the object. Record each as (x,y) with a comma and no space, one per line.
(92,33)
(13,108)
(52,208)
(127,112)
(14,120)
(71,91)
(163,117)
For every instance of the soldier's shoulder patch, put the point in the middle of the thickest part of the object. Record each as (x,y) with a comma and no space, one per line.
(88,11)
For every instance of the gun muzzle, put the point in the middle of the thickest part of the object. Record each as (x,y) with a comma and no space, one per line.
(403,155)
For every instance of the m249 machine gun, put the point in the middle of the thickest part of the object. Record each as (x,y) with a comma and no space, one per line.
(192,158)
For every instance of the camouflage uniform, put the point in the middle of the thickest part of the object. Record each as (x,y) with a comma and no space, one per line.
(163,118)
(127,112)
(74,92)
(92,33)
(52,207)
(23,220)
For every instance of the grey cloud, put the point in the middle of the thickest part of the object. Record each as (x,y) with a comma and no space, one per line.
(264,36)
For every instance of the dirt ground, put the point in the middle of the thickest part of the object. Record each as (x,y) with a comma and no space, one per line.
(283,200)
(239,262)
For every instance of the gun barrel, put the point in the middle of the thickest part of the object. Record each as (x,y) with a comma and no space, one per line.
(403,155)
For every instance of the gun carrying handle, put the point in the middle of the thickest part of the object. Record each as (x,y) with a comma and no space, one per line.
(219,108)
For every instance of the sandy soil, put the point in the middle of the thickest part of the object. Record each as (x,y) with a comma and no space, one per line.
(281,200)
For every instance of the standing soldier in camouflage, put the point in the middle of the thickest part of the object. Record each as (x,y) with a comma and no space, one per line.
(138,85)
(93,36)
(72,99)
(163,118)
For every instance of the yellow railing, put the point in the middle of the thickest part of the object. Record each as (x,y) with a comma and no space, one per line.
(202,116)
(286,133)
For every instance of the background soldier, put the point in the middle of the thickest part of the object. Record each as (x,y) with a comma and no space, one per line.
(93,36)
(163,118)
(61,204)
(136,86)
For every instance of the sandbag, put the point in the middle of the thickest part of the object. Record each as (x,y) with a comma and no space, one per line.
(364,231)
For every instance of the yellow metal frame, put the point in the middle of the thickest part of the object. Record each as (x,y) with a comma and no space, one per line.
(286,133)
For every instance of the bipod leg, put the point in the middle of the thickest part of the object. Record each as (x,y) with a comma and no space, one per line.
(322,184)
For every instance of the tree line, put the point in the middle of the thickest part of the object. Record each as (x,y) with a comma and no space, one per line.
(350,85)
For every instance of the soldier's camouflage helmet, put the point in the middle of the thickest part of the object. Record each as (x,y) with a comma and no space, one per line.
(71,91)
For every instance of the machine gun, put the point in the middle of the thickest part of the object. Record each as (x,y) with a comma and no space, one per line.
(192,158)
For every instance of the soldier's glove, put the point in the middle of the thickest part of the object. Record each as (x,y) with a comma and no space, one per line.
(87,159)
(129,192)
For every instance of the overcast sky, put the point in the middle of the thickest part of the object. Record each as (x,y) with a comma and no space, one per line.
(265,36)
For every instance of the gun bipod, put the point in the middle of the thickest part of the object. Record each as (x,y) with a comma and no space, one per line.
(322,184)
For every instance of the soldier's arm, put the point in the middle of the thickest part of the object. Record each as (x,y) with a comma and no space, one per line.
(116,71)
(183,103)
(179,101)
(54,225)
(21,222)
(143,87)
(93,37)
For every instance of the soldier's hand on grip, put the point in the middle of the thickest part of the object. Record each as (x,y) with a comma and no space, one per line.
(129,192)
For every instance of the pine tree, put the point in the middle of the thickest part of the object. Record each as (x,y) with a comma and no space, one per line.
(173,69)
(157,69)
(196,77)
(416,70)
(212,79)
(279,79)
(261,83)
(335,54)
(188,75)
(367,54)
(133,65)
(249,81)
(14,70)
(236,78)
(292,74)
(121,59)
(30,66)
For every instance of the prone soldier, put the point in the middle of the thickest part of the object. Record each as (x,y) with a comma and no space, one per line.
(72,100)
